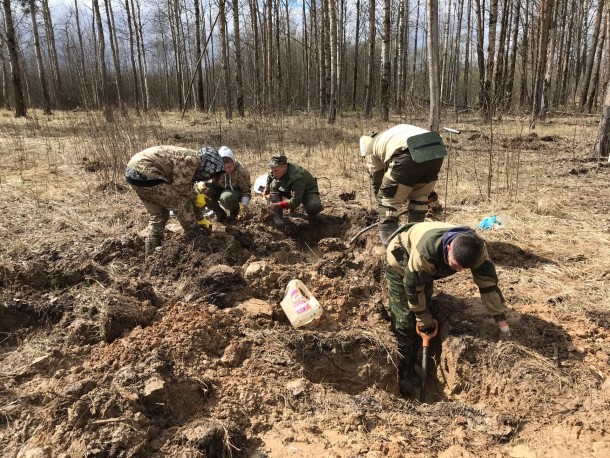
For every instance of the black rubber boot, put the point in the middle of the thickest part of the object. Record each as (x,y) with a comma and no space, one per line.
(386,228)
(408,380)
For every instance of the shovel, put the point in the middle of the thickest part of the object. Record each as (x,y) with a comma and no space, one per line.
(425,355)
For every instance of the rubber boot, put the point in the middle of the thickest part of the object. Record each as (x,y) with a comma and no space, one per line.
(151,243)
(416,216)
(386,228)
(408,380)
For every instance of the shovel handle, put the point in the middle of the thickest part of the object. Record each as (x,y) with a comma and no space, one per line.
(427,337)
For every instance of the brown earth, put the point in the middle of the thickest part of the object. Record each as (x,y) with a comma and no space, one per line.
(107,353)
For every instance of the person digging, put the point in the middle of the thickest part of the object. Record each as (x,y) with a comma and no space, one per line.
(164,179)
(418,254)
(288,186)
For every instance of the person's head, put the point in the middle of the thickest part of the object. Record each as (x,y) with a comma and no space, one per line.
(366,144)
(278,165)
(464,251)
(228,158)
(210,164)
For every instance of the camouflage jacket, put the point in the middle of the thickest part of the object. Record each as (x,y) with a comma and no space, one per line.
(425,262)
(297,182)
(173,164)
(239,180)
(386,144)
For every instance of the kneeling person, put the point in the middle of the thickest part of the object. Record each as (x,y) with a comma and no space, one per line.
(232,189)
(294,183)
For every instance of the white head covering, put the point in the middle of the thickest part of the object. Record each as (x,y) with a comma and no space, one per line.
(366,145)
(226,152)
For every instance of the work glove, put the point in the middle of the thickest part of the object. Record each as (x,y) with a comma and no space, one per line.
(425,322)
(205,223)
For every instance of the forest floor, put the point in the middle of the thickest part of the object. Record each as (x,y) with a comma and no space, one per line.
(107,353)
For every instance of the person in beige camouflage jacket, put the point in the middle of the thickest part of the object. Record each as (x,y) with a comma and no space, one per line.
(163,177)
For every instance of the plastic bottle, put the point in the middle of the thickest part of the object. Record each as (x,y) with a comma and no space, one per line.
(299,305)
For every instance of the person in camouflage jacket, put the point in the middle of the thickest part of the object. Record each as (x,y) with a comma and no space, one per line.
(163,177)
(403,163)
(415,257)
(293,183)
(232,189)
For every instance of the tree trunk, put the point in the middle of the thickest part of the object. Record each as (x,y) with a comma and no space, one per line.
(224,59)
(13,52)
(132,56)
(433,66)
(114,46)
(289,95)
(142,64)
(332,107)
(257,54)
(596,71)
(549,64)
(546,14)
(239,80)
(199,96)
(488,106)
(6,101)
(480,49)
(368,94)
(105,99)
(46,103)
(50,35)
(386,66)
(268,84)
(510,77)
(278,99)
(589,69)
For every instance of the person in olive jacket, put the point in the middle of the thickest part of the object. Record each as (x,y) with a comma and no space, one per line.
(290,185)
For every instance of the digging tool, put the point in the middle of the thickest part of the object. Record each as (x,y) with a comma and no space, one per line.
(425,355)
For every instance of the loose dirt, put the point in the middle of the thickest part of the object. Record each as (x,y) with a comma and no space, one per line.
(108,353)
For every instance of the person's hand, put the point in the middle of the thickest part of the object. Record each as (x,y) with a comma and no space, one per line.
(425,322)
(504,331)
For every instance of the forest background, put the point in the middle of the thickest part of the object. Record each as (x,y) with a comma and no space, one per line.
(332,57)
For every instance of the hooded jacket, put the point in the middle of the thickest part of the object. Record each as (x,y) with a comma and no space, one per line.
(238,179)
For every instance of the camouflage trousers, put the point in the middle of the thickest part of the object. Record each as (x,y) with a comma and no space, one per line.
(159,200)
(406,179)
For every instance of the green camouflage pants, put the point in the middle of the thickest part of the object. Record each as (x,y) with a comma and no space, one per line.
(159,200)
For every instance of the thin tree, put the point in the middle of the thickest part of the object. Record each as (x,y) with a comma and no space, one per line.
(385,62)
(239,83)
(132,57)
(13,52)
(257,54)
(368,88)
(5,93)
(107,108)
(50,38)
(334,84)
(142,63)
(602,143)
(46,103)
(596,70)
(356,49)
(224,59)
(546,15)
(433,66)
(488,108)
(591,58)
(114,46)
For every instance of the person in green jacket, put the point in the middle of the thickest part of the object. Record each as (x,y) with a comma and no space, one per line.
(419,254)
(288,186)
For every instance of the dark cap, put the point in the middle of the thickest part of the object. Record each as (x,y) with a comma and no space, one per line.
(277,160)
